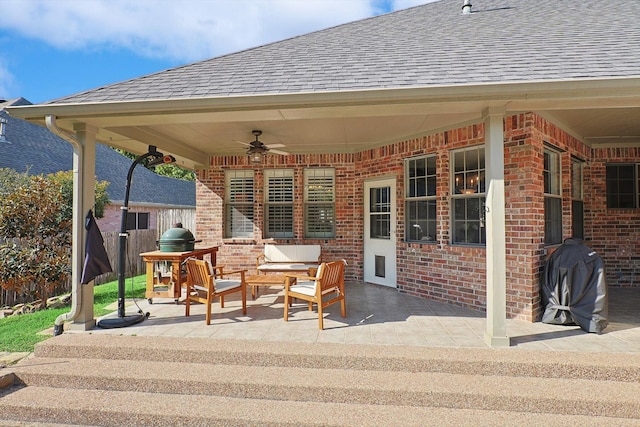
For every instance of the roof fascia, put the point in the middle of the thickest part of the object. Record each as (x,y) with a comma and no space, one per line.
(619,92)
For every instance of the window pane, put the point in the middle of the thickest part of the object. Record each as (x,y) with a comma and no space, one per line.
(468,197)
(551,172)
(319,207)
(380,200)
(576,180)
(143,221)
(421,220)
(239,221)
(577,219)
(320,221)
(279,221)
(278,203)
(280,189)
(621,186)
(380,227)
(552,220)
(131,221)
(239,198)
(420,216)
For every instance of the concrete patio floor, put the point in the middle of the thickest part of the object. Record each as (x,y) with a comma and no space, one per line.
(379,315)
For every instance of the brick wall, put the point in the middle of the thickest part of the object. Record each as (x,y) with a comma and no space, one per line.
(613,233)
(441,271)
(242,253)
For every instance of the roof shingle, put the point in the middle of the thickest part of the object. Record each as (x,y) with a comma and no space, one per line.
(435,44)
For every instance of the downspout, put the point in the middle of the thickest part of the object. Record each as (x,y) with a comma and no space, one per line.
(76,290)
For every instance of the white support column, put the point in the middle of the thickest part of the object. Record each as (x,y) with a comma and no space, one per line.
(84,166)
(496,333)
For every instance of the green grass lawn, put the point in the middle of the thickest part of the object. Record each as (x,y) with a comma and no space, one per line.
(21,333)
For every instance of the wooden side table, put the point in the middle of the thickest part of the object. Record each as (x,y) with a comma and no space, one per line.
(173,288)
(264,280)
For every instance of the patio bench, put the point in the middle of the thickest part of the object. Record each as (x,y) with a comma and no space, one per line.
(288,258)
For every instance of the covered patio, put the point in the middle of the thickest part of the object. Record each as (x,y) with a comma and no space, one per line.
(382,316)
(531,108)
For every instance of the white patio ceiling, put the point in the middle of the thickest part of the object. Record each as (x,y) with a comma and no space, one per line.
(599,112)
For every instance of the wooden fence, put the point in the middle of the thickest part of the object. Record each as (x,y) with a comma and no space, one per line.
(138,241)
(167,218)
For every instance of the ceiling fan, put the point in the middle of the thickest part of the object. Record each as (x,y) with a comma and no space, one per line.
(258,147)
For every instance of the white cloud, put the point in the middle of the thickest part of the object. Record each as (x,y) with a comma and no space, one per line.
(6,81)
(180,30)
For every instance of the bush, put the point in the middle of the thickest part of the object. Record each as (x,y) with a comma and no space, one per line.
(36,227)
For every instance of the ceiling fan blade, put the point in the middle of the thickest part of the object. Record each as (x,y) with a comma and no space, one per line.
(270,146)
(283,153)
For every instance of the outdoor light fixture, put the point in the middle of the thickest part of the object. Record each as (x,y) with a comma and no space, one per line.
(122,320)
(257,150)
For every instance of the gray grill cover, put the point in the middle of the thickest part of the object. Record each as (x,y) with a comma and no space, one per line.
(574,289)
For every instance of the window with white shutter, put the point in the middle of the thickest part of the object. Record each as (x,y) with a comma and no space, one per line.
(319,203)
(278,210)
(239,214)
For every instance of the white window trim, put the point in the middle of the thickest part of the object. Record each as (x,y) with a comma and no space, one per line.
(427,197)
(473,182)
(309,175)
(286,174)
(229,204)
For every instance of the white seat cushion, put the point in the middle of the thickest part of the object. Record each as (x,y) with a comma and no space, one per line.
(286,267)
(226,284)
(304,288)
(291,253)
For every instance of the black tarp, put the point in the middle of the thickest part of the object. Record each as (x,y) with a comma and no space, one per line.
(574,289)
(96,260)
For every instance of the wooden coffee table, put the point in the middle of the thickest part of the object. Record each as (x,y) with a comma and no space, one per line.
(264,280)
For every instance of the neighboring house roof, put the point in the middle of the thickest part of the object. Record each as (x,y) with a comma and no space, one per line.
(502,41)
(34,149)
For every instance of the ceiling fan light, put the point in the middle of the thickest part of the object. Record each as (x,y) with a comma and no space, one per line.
(256,158)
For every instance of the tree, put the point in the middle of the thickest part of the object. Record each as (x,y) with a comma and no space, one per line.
(169,170)
(35,230)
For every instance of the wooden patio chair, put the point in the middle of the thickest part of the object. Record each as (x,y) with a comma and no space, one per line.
(323,289)
(203,285)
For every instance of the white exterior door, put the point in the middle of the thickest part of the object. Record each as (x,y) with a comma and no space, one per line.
(380,232)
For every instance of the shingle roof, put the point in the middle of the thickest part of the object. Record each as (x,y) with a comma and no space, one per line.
(33,148)
(434,44)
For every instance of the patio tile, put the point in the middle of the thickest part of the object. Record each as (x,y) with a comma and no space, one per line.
(378,315)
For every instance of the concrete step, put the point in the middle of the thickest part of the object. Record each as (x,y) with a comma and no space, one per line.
(623,367)
(87,379)
(122,408)
(434,389)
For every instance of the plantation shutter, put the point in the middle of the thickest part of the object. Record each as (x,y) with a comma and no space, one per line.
(319,202)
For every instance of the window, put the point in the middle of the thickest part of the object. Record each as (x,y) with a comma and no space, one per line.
(319,203)
(577,202)
(420,199)
(238,203)
(552,198)
(278,194)
(380,214)
(468,196)
(622,186)
(137,221)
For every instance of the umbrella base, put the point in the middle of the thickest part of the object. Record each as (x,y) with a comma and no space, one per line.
(121,322)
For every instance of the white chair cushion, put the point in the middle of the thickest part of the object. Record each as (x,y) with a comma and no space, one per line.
(304,288)
(222,285)
(286,267)
(292,253)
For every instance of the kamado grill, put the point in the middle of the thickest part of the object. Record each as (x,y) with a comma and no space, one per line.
(177,239)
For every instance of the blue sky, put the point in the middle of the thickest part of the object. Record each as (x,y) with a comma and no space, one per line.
(54,48)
